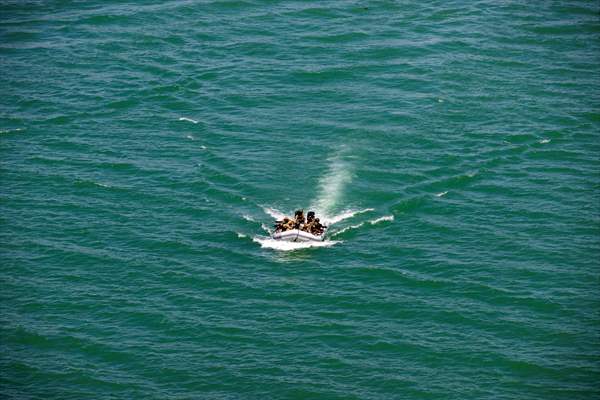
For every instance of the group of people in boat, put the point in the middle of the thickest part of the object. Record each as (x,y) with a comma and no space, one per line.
(309,224)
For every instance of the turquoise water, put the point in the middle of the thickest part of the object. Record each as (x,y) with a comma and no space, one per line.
(452,146)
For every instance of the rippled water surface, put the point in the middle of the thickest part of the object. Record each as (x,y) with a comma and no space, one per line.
(453,147)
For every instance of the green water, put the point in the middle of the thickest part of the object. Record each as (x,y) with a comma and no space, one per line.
(452,146)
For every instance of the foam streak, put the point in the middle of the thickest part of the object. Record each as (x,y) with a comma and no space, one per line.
(193,121)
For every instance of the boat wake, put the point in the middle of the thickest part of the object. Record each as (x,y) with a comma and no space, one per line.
(270,243)
(327,207)
(328,220)
(331,189)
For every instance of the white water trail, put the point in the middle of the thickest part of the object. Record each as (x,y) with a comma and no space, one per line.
(266,228)
(267,242)
(331,189)
(278,215)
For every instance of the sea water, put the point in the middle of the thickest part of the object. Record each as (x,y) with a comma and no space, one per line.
(147,147)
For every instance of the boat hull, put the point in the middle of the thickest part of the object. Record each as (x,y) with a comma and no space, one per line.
(296,235)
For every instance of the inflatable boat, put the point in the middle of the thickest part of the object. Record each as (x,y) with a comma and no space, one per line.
(296,235)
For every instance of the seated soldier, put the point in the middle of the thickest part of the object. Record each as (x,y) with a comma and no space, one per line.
(291,224)
(299,219)
(283,225)
(278,226)
(310,220)
(287,224)
(318,228)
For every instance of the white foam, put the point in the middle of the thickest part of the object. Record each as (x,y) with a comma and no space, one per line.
(241,235)
(543,141)
(382,219)
(248,218)
(442,194)
(189,137)
(193,121)
(12,130)
(265,228)
(269,243)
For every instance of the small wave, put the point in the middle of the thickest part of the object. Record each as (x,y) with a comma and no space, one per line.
(241,235)
(441,194)
(248,218)
(101,184)
(382,219)
(408,205)
(345,215)
(203,147)
(265,228)
(349,228)
(274,213)
(193,121)
(544,141)
(11,130)
(268,243)
(190,137)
